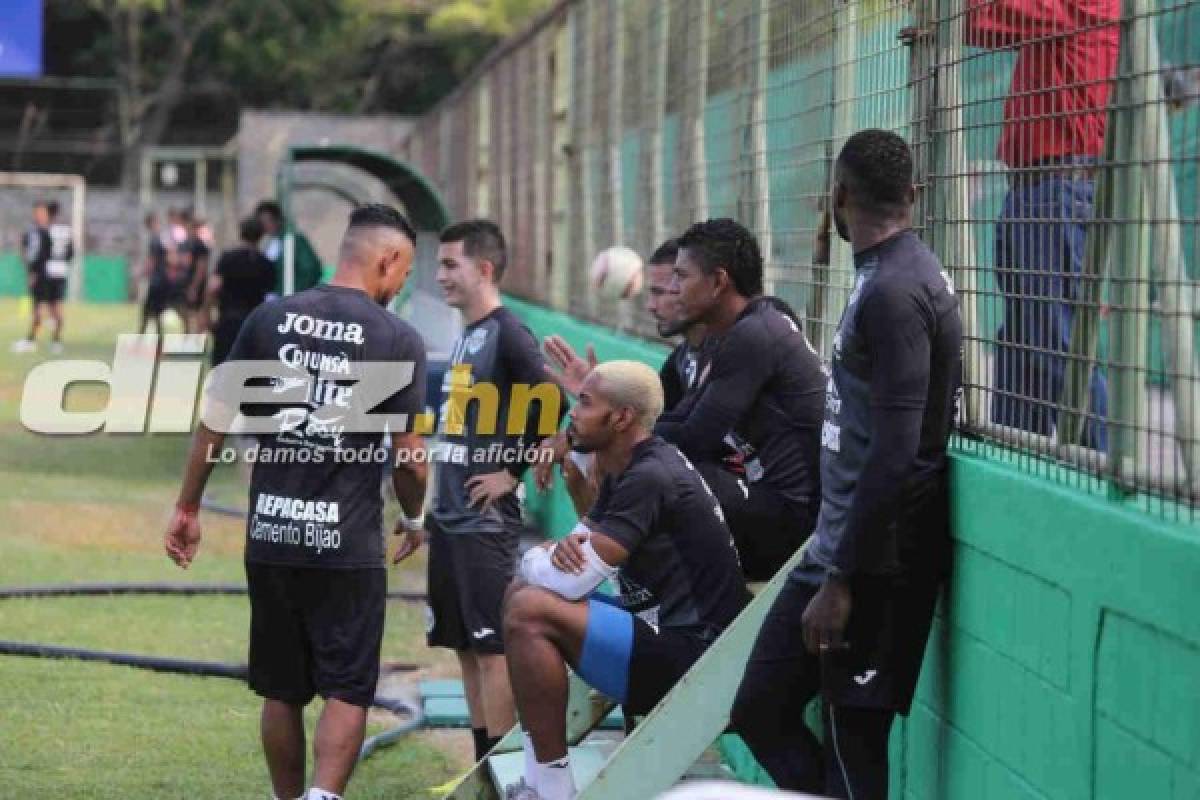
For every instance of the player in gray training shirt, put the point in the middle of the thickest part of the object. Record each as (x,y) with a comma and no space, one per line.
(496,397)
(853,619)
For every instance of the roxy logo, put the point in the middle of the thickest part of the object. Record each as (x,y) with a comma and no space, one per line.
(317,328)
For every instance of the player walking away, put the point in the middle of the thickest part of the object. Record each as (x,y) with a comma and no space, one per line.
(762,397)
(242,280)
(475,524)
(852,620)
(655,520)
(156,271)
(194,256)
(35,246)
(306,265)
(315,550)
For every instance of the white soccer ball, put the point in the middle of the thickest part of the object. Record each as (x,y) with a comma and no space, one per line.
(617,273)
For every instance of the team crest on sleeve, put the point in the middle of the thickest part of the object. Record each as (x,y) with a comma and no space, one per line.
(475,340)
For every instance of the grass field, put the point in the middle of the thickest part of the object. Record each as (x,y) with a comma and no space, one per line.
(92,509)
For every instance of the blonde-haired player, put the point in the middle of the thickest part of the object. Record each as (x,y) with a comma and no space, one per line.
(657,529)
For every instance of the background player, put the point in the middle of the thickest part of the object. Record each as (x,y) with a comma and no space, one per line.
(853,619)
(762,397)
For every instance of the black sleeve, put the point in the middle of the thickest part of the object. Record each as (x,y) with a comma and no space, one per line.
(410,400)
(740,367)
(631,508)
(668,374)
(523,363)
(898,331)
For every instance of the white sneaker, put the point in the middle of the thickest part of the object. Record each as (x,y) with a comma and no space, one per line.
(24,346)
(56,348)
(521,791)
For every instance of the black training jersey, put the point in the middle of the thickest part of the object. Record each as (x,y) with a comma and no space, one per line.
(36,248)
(890,405)
(682,370)
(497,351)
(682,570)
(247,277)
(763,398)
(315,490)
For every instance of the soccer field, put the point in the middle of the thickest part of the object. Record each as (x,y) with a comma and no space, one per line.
(92,509)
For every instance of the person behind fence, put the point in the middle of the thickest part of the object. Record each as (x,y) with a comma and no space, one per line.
(1053,137)
(314,535)
(475,521)
(654,527)
(852,620)
(762,397)
(242,280)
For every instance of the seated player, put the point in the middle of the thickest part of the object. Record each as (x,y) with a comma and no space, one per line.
(763,396)
(657,528)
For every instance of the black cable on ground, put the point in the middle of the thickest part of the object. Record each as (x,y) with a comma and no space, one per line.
(100,589)
(179,666)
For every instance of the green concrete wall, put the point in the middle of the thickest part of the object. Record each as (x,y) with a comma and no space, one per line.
(105,278)
(1065,660)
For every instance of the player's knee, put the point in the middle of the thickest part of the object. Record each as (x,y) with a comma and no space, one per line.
(526,611)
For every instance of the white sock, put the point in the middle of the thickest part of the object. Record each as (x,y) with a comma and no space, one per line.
(531,772)
(321,794)
(555,781)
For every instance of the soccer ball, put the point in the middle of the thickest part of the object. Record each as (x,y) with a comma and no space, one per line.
(617,273)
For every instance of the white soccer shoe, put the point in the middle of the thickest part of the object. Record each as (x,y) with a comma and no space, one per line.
(24,346)
(521,791)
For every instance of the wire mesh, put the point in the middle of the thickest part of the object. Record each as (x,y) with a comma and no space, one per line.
(1057,146)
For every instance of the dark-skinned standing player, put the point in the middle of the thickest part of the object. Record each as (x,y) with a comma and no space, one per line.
(853,618)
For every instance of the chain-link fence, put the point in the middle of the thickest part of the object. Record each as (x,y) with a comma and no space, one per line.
(1057,145)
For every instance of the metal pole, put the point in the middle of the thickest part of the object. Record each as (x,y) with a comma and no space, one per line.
(1167,269)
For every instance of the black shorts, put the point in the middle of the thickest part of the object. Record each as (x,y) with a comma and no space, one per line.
(888,627)
(468,575)
(315,631)
(49,290)
(630,660)
(766,528)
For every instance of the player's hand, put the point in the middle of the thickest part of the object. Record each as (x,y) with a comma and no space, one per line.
(824,621)
(582,488)
(543,468)
(182,539)
(411,540)
(566,368)
(567,555)
(483,490)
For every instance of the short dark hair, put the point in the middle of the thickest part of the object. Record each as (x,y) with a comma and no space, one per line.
(270,208)
(876,167)
(482,239)
(250,230)
(666,252)
(52,208)
(725,244)
(378,215)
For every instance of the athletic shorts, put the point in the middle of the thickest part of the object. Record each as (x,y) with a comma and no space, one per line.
(468,576)
(766,528)
(632,662)
(888,627)
(315,631)
(49,290)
